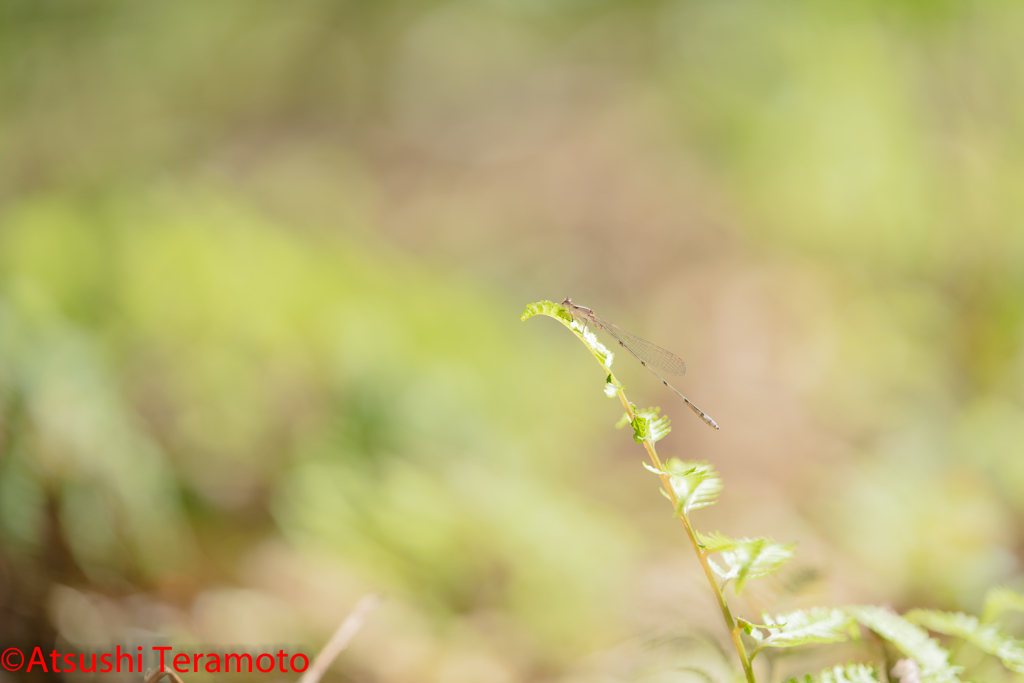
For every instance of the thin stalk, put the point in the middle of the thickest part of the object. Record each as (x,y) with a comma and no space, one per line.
(603,358)
(730,623)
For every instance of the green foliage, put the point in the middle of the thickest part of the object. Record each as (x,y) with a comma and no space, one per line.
(751,558)
(1001,599)
(910,640)
(851,673)
(648,425)
(549,308)
(640,428)
(986,637)
(816,625)
(695,484)
(562,315)
(715,542)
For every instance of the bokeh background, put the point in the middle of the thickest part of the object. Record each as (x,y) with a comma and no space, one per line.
(261,271)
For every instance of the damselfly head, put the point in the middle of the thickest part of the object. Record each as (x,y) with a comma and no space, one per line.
(571,307)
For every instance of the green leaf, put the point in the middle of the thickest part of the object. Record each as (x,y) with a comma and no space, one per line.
(817,625)
(986,637)
(641,426)
(716,542)
(696,484)
(648,425)
(1001,599)
(562,315)
(910,640)
(752,558)
(751,630)
(851,673)
(550,308)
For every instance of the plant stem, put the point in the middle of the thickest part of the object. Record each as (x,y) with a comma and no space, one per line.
(730,623)
(604,358)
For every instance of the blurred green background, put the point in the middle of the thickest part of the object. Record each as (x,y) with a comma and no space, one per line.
(261,271)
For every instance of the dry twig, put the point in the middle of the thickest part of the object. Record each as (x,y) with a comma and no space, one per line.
(341,638)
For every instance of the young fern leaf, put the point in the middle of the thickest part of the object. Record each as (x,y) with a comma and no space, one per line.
(696,484)
(851,673)
(1001,599)
(648,425)
(986,637)
(751,558)
(549,308)
(817,625)
(562,315)
(910,640)
(716,542)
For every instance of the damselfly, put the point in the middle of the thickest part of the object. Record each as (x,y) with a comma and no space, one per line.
(651,356)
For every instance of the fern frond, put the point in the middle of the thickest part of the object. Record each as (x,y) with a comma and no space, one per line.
(562,315)
(910,640)
(851,673)
(696,484)
(549,308)
(649,425)
(1001,599)
(716,542)
(986,637)
(752,558)
(817,625)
